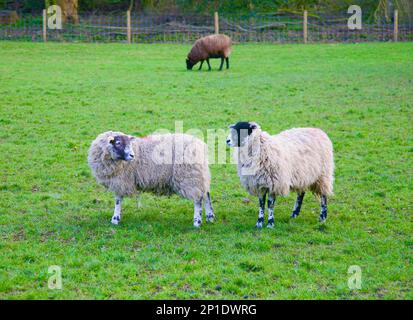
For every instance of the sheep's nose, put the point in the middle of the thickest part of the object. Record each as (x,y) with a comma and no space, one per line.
(228,141)
(132,155)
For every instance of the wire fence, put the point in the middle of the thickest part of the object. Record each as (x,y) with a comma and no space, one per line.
(157,28)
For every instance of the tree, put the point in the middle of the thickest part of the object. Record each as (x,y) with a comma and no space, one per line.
(385,9)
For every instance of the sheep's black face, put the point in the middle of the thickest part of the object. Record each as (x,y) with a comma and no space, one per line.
(120,148)
(239,133)
(189,64)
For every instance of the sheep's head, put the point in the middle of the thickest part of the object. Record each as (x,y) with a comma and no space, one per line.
(120,147)
(240,132)
(189,64)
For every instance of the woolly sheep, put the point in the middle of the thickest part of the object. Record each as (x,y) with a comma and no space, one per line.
(213,46)
(297,160)
(162,164)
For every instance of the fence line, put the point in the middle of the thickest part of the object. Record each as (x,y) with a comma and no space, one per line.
(153,28)
(216,22)
(396,25)
(129,30)
(44,25)
(305,25)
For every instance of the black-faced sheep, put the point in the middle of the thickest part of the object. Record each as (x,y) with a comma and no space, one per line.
(294,160)
(213,46)
(163,164)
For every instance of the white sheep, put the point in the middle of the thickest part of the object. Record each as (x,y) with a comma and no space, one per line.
(297,160)
(163,164)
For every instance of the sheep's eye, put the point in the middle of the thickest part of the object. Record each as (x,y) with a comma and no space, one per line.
(117,143)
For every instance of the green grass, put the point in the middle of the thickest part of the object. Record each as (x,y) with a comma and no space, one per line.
(55,99)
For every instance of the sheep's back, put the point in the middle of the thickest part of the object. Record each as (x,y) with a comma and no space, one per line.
(309,154)
(152,172)
(213,46)
(173,163)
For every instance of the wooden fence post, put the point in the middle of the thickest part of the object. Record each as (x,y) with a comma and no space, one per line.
(216,20)
(129,30)
(44,25)
(396,26)
(305,32)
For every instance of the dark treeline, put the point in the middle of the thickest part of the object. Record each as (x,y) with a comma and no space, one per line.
(372,9)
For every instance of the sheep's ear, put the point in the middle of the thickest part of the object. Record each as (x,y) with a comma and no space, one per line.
(131,137)
(254,125)
(111,140)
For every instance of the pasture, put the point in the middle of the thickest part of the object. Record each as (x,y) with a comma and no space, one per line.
(56,98)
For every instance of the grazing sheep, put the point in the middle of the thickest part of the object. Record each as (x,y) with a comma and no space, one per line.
(162,164)
(213,46)
(294,160)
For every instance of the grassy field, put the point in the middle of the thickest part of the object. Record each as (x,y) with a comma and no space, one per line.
(55,99)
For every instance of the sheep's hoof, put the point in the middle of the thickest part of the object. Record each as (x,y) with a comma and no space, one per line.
(210,218)
(115,220)
(322,219)
(258,225)
(197,224)
(293,216)
(270,225)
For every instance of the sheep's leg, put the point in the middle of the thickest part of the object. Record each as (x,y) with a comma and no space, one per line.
(260,220)
(209,210)
(200,66)
(227,62)
(297,205)
(197,213)
(222,63)
(323,211)
(118,210)
(209,66)
(271,202)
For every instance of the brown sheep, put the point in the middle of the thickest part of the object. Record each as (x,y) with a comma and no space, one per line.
(213,46)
